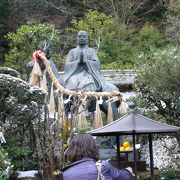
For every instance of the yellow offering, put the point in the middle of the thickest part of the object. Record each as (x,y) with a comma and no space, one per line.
(126,144)
(127,148)
(122,148)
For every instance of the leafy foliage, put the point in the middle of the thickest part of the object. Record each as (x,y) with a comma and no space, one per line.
(158,84)
(20,115)
(12,72)
(118,45)
(95,23)
(130,11)
(112,43)
(27,39)
(4,6)
(170,174)
(149,37)
(172,30)
(5,165)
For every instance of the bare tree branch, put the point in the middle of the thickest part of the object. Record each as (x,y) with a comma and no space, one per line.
(149,11)
(61,9)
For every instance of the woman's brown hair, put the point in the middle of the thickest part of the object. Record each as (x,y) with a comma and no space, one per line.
(82,146)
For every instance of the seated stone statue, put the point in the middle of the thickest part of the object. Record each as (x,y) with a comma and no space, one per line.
(82,68)
(82,73)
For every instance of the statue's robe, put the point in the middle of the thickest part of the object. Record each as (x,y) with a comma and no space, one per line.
(85,76)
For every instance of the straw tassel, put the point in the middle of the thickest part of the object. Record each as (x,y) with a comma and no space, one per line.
(82,122)
(61,114)
(98,118)
(43,83)
(123,109)
(110,113)
(52,103)
(35,75)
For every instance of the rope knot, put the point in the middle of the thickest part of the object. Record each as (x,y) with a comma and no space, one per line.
(36,55)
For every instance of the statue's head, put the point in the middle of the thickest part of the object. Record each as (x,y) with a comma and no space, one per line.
(82,38)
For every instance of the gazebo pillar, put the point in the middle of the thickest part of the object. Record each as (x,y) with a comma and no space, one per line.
(118,150)
(151,157)
(134,154)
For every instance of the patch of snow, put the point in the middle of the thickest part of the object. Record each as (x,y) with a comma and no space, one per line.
(127,95)
(2,139)
(23,174)
(15,79)
(162,157)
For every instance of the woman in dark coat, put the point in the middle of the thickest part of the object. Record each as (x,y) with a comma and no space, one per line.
(83,154)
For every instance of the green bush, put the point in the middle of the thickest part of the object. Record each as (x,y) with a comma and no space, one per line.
(150,37)
(170,174)
(158,84)
(95,23)
(22,117)
(5,165)
(26,40)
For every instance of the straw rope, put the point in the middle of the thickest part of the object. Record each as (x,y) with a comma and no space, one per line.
(75,93)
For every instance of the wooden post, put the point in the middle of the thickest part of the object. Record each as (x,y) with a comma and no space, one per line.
(134,154)
(151,157)
(118,150)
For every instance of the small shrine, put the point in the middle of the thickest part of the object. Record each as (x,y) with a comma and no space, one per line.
(134,124)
